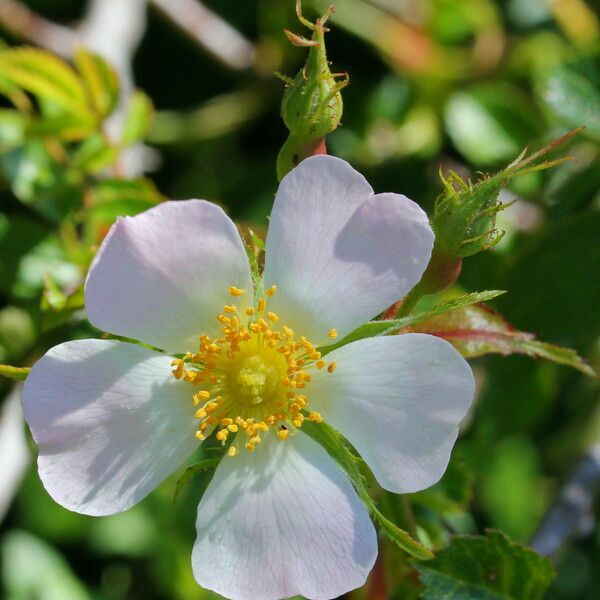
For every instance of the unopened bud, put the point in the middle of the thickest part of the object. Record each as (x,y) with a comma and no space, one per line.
(464,219)
(312,103)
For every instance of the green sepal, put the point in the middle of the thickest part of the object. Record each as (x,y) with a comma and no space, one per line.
(337,447)
(386,327)
(204,465)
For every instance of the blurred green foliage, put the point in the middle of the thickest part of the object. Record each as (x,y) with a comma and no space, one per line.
(450,84)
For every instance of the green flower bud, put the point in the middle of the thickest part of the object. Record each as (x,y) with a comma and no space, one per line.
(312,103)
(464,220)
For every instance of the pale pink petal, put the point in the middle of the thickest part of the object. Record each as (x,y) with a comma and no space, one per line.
(282,521)
(110,422)
(399,401)
(162,276)
(339,254)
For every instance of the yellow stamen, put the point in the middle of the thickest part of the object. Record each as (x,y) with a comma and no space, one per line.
(254,371)
(333,333)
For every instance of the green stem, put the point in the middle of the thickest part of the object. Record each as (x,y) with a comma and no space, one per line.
(411,523)
(411,300)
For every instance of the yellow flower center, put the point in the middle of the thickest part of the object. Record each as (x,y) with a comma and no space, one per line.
(252,378)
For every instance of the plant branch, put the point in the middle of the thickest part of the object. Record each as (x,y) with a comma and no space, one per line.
(211,31)
(28,25)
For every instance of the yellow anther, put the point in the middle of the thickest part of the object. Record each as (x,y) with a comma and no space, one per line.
(199,435)
(271,291)
(315,417)
(332,333)
(258,368)
(331,367)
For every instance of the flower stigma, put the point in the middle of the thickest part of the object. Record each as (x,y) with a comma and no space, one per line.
(252,378)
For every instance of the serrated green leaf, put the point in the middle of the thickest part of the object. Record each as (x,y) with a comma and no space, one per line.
(137,121)
(477,330)
(46,76)
(14,373)
(207,464)
(338,449)
(385,327)
(101,81)
(489,567)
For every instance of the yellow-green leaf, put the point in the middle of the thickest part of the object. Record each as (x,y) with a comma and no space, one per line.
(100,80)
(46,76)
(137,121)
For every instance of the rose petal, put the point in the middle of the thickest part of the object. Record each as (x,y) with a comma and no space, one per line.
(162,276)
(338,254)
(110,421)
(399,401)
(282,521)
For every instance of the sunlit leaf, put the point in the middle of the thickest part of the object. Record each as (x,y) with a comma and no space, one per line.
(489,567)
(572,98)
(100,80)
(46,76)
(477,329)
(490,123)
